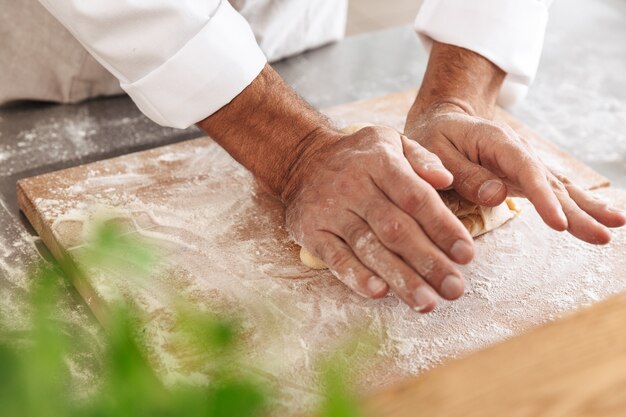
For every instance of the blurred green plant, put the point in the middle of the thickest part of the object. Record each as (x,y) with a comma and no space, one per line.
(338,401)
(36,382)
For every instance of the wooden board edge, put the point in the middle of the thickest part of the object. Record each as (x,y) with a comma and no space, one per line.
(67,264)
(560,368)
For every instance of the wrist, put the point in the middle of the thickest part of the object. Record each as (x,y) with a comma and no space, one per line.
(268,129)
(304,159)
(459,77)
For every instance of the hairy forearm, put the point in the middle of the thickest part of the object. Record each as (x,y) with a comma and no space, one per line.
(267,128)
(461,77)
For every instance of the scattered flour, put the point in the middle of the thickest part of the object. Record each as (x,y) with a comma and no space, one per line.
(224,249)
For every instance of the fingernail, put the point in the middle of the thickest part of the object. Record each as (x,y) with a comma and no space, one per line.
(489,189)
(452,287)
(376,285)
(461,251)
(616,210)
(435,167)
(423,297)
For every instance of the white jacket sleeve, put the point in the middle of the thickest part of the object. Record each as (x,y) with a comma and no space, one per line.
(180,61)
(509,33)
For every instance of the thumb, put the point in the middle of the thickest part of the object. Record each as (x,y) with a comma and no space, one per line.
(426,164)
(474,182)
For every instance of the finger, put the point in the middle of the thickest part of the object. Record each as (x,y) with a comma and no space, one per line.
(541,194)
(472,181)
(402,279)
(420,201)
(581,224)
(596,208)
(426,164)
(399,233)
(347,268)
(508,156)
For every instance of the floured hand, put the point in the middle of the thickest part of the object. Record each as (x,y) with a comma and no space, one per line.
(364,203)
(451,117)
(490,161)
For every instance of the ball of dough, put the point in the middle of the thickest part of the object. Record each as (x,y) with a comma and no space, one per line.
(310,260)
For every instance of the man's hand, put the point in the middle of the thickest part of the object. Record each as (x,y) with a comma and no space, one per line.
(451,118)
(363,203)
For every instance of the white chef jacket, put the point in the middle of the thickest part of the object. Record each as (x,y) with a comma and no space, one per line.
(182,60)
(509,33)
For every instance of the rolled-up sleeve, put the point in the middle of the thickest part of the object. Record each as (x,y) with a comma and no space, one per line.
(180,61)
(509,33)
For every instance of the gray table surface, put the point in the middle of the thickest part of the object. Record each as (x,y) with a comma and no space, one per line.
(578,100)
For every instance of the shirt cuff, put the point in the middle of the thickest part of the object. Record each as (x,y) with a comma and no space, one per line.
(509,33)
(211,69)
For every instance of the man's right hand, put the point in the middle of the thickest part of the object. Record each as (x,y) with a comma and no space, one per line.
(365,204)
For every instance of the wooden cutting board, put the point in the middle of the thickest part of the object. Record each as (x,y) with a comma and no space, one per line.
(223,246)
(572,367)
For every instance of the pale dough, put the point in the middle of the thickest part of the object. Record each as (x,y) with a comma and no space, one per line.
(476,219)
(479,219)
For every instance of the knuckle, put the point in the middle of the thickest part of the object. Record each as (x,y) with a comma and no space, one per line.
(370,130)
(354,232)
(376,133)
(557,185)
(448,229)
(571,212)
(502,131)
(495,129)
(562,178)
(368,248)
(530,160)
(392,231)
(384,130)
(337,259)
(432,267)
(392,162)
(504,134)
(416,200)
(373,210)
(401,283)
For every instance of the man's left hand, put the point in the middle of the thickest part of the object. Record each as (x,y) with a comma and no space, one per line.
(489,161)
